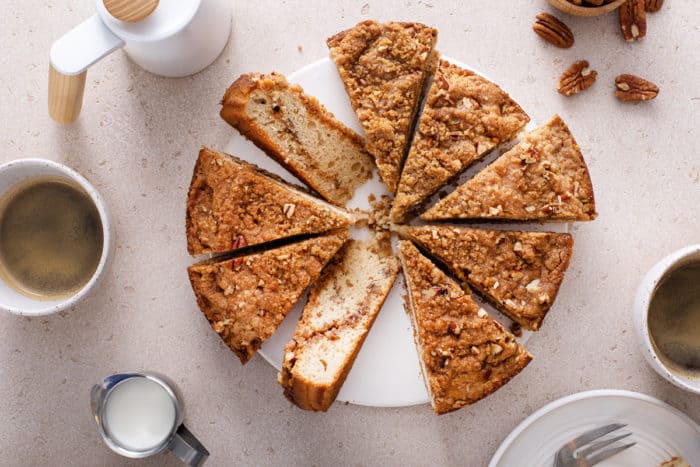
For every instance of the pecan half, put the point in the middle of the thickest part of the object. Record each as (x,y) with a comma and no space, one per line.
(239,242)
(576,78)
(454,328)
(652,6)
(634,88)
(553,30)
(633,20)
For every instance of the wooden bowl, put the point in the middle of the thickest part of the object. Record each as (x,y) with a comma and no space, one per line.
(571,9)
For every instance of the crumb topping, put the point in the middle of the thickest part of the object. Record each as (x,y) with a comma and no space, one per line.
(246,298)
(466,354)
(519,272)
(544,177)
(383,68)
(232,204)
(465,117)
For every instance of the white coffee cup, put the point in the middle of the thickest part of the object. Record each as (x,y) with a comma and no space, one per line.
(645,294)
(14,173)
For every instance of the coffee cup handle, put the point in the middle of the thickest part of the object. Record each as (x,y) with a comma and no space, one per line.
(187,448)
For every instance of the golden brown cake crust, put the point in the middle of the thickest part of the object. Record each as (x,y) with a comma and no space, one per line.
(233,204)
(544,177)
(310,166)
(466,354)
(384,67)
(246,298)
(519,272)
(465,117)
(338,288)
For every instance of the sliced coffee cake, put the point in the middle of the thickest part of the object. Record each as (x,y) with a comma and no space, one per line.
(233,204)
(543,178)
(246,298)
(465,116)
(298,132)
(384,68)
(519,272)
(465,354)
(341,309)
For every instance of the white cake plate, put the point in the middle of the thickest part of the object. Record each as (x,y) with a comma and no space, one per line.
(386,372)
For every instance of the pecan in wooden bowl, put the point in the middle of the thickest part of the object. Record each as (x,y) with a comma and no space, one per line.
(586,7)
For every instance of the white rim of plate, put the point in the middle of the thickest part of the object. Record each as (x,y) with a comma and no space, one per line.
(550,407)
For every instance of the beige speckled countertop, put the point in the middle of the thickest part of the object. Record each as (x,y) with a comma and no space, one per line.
(137,140)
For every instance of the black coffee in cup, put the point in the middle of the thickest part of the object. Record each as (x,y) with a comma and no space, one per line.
(674,319)
(50,238)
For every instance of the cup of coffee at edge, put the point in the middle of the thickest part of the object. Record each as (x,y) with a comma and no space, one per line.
(55,237)
(667,317)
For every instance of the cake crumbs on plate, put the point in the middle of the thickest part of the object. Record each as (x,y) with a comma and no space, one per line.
(379,218)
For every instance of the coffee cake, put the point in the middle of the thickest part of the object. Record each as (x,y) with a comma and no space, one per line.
(543,178)
(233,204)
(245,298)
(519,272)
(299,133)
(465,116)
(384,68)
(341,309)
(465,354)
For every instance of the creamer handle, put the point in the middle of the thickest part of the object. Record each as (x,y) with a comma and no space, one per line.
(65,95)
(70,57)
(187,448)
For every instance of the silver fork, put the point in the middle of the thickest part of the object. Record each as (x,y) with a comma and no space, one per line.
(583,452)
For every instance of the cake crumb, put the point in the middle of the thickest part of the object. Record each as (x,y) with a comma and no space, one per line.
(300,48)
(516,329)
(379,217)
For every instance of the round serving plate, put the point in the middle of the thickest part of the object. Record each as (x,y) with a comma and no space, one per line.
(660,431)
(386,372)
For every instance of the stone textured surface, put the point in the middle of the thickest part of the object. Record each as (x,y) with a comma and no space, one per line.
(137,140)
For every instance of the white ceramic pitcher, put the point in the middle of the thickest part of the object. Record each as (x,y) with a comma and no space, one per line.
(171,38)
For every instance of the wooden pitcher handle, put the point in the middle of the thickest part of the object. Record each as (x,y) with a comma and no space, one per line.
(65,95)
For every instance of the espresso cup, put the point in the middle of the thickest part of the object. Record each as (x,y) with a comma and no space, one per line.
(139,415)
(12,175)
(643,300)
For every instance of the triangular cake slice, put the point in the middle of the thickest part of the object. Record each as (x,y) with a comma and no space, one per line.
(465,354)
(384,67)
(299,133)
(543,178)
(519,272)
(233,204)
(246,298)
(465,116)
(341,309)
